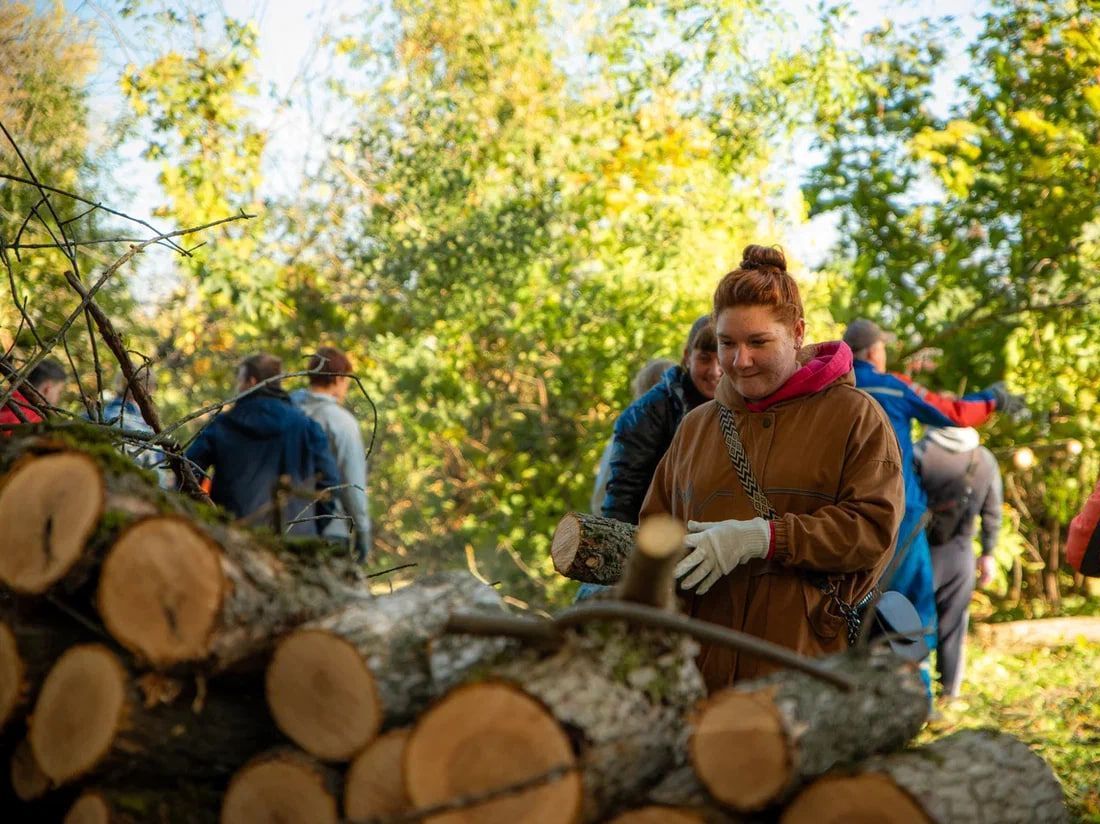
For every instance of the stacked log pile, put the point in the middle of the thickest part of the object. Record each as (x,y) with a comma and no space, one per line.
(158,663)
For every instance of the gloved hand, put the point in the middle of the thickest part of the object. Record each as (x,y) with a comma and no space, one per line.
(1006,402)
(720,546)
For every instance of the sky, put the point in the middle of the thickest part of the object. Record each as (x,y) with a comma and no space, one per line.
(289,66)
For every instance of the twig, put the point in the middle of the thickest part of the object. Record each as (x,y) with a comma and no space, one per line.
(391,569)
(641,615)
(533,630)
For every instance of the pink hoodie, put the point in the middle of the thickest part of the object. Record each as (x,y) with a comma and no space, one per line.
(827,362)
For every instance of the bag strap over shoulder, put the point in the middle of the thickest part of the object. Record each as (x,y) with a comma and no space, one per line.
(765,510)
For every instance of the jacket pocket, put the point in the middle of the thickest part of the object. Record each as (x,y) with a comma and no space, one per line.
(821,612)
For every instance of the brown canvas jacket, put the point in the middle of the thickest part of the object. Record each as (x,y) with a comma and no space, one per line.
(830,465)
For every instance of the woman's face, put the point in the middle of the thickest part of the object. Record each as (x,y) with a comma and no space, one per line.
(704,370)
(758,351)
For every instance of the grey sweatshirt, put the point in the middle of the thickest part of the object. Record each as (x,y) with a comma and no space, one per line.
(346,442)
(944,454)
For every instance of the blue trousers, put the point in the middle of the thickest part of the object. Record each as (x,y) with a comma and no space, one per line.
(587,591)
(913,578)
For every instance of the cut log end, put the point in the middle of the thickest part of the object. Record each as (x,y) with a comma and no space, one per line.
(161,589)
(661,537)
(78,712)
(50,507)
(567,539)
(322,695)
(90,808)
(861,798)
(11,673)
(487,737)
(739,749)
(277,789)
(375,785)
(659,815)
(28,782)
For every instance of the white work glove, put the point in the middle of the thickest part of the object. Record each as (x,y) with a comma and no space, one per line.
(719,547)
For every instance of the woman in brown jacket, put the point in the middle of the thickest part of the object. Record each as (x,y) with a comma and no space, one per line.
(825,458)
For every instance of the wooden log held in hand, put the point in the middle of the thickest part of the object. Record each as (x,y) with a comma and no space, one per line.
(332,684)
(753,744)
(173,591)
(980,776)
(649,576)
(283,785)
(374,786)
(92,716)
(592,549)
(621,692)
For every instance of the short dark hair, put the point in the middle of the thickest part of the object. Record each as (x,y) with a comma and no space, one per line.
(47,371)
(262,366)
(327,359)
(702,336)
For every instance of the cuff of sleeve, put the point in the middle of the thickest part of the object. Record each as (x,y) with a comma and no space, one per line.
(779,550)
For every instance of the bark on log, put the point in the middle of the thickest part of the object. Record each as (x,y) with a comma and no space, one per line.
(374,786)
(174,591)
(91,716)
(620,692)
(283,785)
(189,804)
(332,684)
(592,549)
(753,744)
(980,776)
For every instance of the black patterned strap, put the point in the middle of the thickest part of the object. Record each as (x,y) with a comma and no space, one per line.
(766,511)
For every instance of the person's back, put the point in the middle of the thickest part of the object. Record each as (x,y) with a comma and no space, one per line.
(323,402)
(261,440)
(944,472)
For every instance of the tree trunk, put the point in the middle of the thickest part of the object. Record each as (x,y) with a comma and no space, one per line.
(1053,563)
(332,684)
(681,789)
(374,786)
(187,804)
(620,692)
(656,814)
(979,776)
(755,743)
(175,591)
(91,716)
(592,549)
(283,785)
(28,782)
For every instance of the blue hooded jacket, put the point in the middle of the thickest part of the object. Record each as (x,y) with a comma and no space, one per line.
(263,437)
(902,406)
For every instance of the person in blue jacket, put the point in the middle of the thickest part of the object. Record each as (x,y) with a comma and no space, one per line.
(262,441)
(913,576)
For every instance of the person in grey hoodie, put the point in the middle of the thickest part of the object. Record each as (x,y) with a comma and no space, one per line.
(324,403)
(962,480)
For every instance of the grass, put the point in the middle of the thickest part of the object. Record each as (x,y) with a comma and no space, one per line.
(1049,698)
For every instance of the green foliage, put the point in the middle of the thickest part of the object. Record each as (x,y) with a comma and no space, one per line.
(975,230)
(1049,698)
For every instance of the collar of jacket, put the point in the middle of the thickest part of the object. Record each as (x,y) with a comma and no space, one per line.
(823,364)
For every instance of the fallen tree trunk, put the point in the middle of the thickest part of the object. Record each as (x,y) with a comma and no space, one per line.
(753,744)
(174,591)
(620,692)
(981,776)
(592,549)
(283,785)
(92,716)
(332,684)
